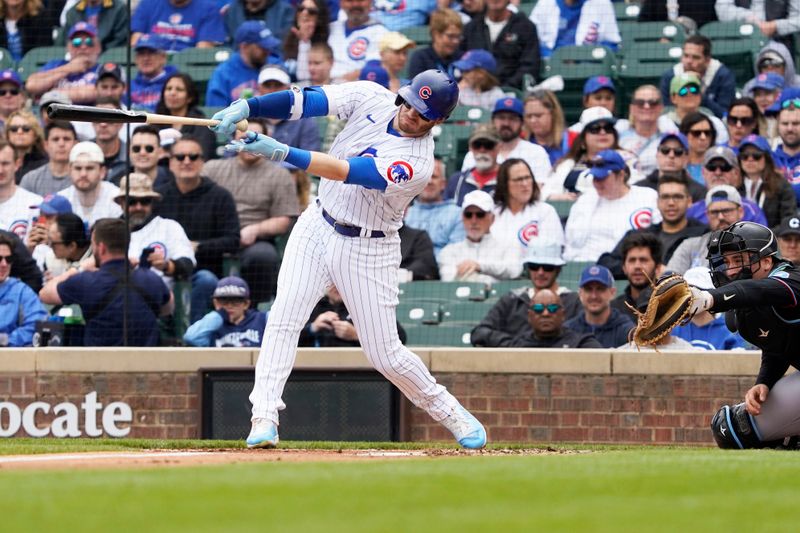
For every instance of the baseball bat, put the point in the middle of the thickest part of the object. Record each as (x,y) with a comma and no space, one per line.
(85,113)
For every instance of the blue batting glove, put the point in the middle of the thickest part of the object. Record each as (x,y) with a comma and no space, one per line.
(228,117)
(256,143)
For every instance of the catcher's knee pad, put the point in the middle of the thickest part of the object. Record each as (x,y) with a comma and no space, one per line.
(733,428)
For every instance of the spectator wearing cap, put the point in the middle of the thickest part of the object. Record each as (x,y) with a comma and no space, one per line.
(701,134)
(788,234)
(111,82)
(266,201)
(510,37)
(509,315)
(721,167)
(237,76)
(706,331)
(507,119)
(698,12)
(598,91)
(277,16)
(374,71)
(545,124)
(103,293)
(479,86)
(150,59)
(67,246)
(92,197)
(686,95)
(480,256)
(75,77)
(547,328)
(446,29)
(765,89)
(310,29)
(484,145)
(570,177)
(787,152)
(26,25)
(354,39)
(763,183)
(716,85)
(641,264)
(575,23)
(621,207)
(110,17)
(674,228)
(12,95)
(777,20)
(776,59)
(59,138)
(107,137)
(723,208)
(181,23)
(672,158)
(16,215)
(37,240)
(180,98)
(232,323)
(394,48)
(641,133)
(439,218)
(608,325)
(20,308)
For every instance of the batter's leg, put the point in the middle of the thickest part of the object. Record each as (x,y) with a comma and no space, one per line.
(780,414)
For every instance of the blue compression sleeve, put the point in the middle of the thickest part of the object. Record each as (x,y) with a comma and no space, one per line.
(364,172)
(298,157)
(280,104)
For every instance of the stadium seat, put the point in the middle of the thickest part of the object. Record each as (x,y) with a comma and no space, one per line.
(466,311)
(419,34)
(735,44)
(526,7)
(451,144)
(575,64)
(570,276)
(634,33)
(35,59)
(625,11)
(183,297)
(456,334)
(411,312)
(117,55)
(645,64)
(501,288)
(200,63)
(443,291)
(562,207)
(469,115)
(6,61)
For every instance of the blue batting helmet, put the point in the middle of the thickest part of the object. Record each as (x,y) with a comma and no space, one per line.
(433,93)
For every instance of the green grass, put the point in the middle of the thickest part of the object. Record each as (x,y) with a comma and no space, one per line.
(610,489)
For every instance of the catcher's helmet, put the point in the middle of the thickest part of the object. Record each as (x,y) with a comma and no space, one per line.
(753,239)
(433,93)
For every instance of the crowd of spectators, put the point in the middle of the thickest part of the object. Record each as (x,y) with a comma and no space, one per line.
(643,184)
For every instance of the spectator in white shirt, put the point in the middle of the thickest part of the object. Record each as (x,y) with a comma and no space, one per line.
(92,197)
(16,214)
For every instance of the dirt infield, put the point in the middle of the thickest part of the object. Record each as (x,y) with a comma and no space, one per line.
(171,458)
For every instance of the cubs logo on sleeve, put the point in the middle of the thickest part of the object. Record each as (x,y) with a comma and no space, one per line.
(400,172)
(528,232)
(641,218)
(357,49)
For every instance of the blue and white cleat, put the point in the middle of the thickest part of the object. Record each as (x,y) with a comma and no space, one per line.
(263,434)
(466,429)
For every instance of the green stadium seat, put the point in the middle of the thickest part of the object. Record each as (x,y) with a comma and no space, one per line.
(501,288)
(410,312)
(6,61)
(570,276)
(419,34)
(35,59)
(735,44)
(117,55)
(526,7)
(443,291)
(645,64)
(575,64)
(200,63)
(456,334)
(183,297)
(451,144)
(634,33)
(466,311)
(562,207)
(626,11)
(468,114)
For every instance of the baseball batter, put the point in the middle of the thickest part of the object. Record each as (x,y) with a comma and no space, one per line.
(760,291)
(348,238)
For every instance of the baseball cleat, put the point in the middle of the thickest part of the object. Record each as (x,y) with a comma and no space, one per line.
(263,434)
(466,429)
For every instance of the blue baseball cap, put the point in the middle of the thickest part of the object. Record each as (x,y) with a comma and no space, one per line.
(53,204)
(597,273)
(678,136)
(477,58)
(509,103)
(232,287)
(151,42)
(605,162)
(756,140)
(256,32)
(789,93)
(373,71)
(10,75)
(82,27)
(769,81)
(595,83)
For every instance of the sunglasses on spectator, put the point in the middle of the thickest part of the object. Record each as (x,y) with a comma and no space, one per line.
(604,127)
(533,267)
(309,10)
(641,102)
(789,103)
(755,156)
(724,167)
(721,212)
(12,92)
(17,129)
(9,259)
(182,157)
(740,121)
(483,145)
(79,41)
(700,133)
(149,148)
(551,308)
(675,150)
(689,89)
(408,106)
(474,214)
(145,201)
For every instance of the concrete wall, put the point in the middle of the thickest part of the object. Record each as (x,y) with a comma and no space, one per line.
(520,394)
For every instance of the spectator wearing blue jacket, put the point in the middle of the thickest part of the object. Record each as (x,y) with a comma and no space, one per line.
(277,14)
(20,307)
(182,23)
(238,76)
(150,57)
(608,325)
(232,323)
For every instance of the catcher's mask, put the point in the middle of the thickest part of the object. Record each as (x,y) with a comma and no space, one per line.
(749,240)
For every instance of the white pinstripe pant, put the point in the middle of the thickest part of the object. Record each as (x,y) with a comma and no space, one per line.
(365,273)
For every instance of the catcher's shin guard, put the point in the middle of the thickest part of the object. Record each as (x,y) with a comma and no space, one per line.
(733,428)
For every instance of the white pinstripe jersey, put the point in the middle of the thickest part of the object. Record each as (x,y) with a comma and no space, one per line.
(406,163)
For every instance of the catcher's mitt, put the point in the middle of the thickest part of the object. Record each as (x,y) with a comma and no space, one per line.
(669,305)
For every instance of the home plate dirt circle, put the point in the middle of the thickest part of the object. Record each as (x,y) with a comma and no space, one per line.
(162,458)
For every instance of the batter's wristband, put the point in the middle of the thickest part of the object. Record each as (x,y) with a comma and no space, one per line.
(299,157)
